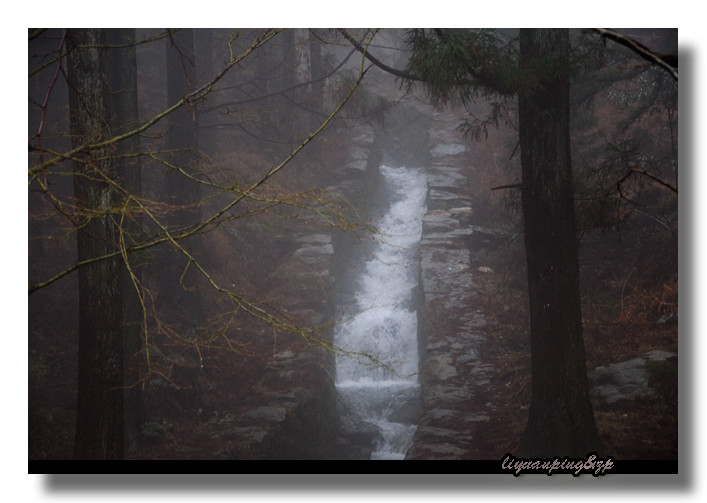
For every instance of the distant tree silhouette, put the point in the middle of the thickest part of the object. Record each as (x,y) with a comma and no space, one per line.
(119,223)
(99,416)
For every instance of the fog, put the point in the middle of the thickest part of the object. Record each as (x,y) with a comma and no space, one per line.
(311,243)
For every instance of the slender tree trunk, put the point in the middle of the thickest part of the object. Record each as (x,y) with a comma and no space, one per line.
(317,88)
(123,73)
(99,415)
(183,136)
(179,288)
(288,67)
(276,73)
(561,420)
(317,70)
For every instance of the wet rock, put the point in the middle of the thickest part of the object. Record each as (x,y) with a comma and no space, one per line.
(445,179)
(448,393)
(408,413)
(439,413)
(440,367)
(477,418)
(358,431)
(443,451)
(437,222)
(356,437)
(443,195)
(440,432)
(313,253)
(625,380)
(315,239)
(445,149)
(470,356)
(465,210)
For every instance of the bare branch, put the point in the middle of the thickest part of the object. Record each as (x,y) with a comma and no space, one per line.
(645,173)
(375,61)
(195,95)
(510,186)
(641,50)
(183,233)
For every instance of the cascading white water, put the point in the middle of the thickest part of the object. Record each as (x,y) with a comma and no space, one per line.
(378,378)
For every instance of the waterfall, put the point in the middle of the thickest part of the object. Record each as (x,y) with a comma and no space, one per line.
(377,378)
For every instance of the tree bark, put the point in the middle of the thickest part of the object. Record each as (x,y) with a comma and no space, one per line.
(99,415)
(561,421)
(124,118)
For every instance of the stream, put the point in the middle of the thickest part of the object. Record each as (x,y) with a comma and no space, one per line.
(377,380)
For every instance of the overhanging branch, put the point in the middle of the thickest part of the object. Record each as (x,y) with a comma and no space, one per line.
(376,61)
(668,62)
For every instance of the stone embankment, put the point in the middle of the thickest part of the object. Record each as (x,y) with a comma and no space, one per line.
(452,324)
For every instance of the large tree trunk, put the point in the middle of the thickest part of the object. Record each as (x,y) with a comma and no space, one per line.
(124,118)
(561,420)
(99,415)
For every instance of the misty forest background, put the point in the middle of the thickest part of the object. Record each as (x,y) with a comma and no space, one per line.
(162,222)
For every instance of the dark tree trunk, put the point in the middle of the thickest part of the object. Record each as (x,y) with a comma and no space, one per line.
(182,189)
(317,88)
(317,71)
(276,65)
(99,415)
(183,136)
(124,118)
(206,69)
(561,420)
(285,115)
